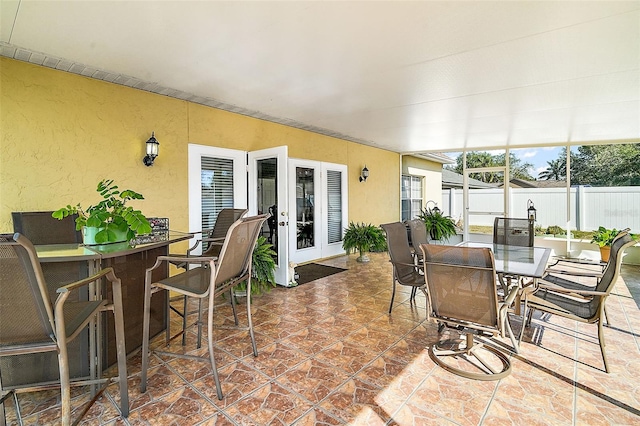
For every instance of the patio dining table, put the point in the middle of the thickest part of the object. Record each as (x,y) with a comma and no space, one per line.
(516,260)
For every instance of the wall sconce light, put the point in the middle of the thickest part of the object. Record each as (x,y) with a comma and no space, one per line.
(365,174)
(435,206)
(152,150)
(531,210)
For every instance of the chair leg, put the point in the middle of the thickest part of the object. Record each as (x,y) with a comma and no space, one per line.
(118,317)
(63,363)
(145,334)
(185,303)
(199,343)
(233,303)
(414,291)
(250,322)
(393,295)
(212,359)
(602,345)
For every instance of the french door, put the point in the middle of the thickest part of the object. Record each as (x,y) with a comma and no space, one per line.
(307,199)
(268,194)
(318,209)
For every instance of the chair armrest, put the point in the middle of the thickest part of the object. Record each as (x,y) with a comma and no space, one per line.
(197,259)
(108,272)
(574,273)
(558,289)
(583,262)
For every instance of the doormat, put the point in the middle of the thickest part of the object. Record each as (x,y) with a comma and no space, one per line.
(314,271)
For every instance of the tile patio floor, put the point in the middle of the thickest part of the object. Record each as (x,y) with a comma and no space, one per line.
(330,354)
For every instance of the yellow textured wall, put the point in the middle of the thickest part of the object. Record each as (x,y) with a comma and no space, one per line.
(61,133)
(432,172)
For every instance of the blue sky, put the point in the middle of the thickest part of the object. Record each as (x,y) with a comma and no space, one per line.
(536,156)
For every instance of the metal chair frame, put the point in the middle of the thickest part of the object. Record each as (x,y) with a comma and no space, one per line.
(62,330)
(445,269)
(210,279)
(405,271)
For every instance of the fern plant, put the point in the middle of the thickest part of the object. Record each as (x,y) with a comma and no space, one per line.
(111,215)
(363,238)
(263,267)
(439,226)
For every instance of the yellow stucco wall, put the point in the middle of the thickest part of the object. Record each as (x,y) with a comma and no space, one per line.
(432,173)
(62,133)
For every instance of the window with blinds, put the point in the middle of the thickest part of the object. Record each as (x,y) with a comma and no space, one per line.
(411,193)
(334,202)
(216,180)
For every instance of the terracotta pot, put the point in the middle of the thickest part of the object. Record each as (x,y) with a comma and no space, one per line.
(604,253)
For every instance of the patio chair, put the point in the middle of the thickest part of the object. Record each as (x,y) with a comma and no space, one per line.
(31,324)
(512,232)
(462,293)
(209,279)
(574,301)
(418,232)
(214,238)
(587,268)
(405,270)
(560,277)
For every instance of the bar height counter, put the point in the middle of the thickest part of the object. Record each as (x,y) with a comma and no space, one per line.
(129,264)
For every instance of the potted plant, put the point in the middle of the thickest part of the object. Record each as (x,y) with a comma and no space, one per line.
(439,226)
(111,220)
(363,238)
(263,267)
(604,237)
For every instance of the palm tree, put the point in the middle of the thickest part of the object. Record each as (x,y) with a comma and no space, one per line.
(556,170)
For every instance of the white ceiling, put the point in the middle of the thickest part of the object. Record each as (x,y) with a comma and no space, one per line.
(418,76)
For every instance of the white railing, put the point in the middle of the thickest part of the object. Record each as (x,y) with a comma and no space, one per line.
(611,207)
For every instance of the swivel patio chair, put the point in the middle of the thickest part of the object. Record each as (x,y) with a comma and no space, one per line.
(209,279)
(211,241)
(30,323)
(574,301)
(405,271)
(462,293)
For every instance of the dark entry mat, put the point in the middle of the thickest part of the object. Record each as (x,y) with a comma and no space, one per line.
(314,271)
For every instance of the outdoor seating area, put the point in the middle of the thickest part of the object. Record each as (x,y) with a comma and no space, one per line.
(330,353)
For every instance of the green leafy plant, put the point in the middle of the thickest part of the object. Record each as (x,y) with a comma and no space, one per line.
(603,236)
(363,238)
(263,267)
(110,215)
(439,226)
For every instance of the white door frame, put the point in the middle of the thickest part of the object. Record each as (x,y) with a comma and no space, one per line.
(195,154)
(282,220)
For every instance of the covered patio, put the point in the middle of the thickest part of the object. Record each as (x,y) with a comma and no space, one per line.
(330,354)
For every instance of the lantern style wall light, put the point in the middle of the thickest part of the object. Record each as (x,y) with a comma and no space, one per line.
(153,147)
(435,206)
(531,210)
(364,174)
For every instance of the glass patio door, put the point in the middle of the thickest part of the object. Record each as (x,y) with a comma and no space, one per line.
(318,204)
(268,194)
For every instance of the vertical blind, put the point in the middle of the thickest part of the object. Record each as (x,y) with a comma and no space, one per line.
(334,202)
(216,180)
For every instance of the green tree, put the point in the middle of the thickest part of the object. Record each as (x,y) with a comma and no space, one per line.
(556,170)
(600,165)
(517,168)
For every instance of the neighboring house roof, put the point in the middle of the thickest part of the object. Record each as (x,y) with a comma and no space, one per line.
(452,179)
(521,183)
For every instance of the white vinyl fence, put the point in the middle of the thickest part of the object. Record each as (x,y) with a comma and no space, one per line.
(611,207)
